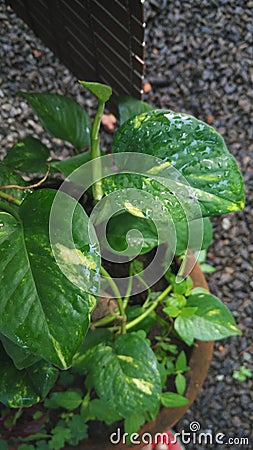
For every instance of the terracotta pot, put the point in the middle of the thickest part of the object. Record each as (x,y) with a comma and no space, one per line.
(199,364)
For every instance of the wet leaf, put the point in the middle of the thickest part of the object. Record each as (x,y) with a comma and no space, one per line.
(41,309)
(28,155)
(61,117)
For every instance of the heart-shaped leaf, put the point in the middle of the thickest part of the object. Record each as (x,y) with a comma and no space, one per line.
(28,155)
(44,302)
(131,382)
(62,117)
(198,165)
(20,388)
(211,321)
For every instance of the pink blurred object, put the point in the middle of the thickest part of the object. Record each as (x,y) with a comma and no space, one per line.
(167,441)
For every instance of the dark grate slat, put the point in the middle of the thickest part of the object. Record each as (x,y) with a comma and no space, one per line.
(98,40)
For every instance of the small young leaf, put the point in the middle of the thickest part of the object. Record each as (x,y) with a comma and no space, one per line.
(61,117)
(181,362)
(171,311)
(61,434)
(101,91)
(67,399)
(180,383)
(78,428)
(100,411)
(28,155)
(133,423)
(171,400)
(188,311)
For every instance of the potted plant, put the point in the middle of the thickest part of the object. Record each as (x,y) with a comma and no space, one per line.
(99,313)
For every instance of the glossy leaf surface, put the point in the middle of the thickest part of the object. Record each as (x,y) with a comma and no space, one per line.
(28,155)
(211,321)
(131,382)
(209,173)
(42,310)
(62,117)
(126,231)
(24,387)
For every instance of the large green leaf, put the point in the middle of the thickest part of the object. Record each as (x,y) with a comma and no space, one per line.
(24,387)
(62,117)
(44,303)
(130,107)
(205,170)
(212,320)
(131,382)
(28,155)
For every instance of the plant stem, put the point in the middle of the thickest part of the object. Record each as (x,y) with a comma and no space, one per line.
(10,198)
(129,287)
(95,153)
(149,310)
(118,297)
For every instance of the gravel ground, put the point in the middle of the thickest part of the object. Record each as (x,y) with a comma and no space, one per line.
(199,59)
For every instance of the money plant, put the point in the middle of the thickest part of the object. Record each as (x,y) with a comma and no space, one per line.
(98,313)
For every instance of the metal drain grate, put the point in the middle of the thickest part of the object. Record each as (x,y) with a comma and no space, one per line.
(97,40)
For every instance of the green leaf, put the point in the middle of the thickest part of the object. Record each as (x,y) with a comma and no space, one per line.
(130,107)
(181,362)
(78,429)
(24,387)
(131,234)
(28,155)
(3,445)
(211,321)
(99,410)
(9,177)
(61,117)
(132,424)
(188,311)
(195,150)
(206,268)
(67,166)
(41,309)
(185,241)
(101,91)
(93,338)
(61,434)
(126,375)
(172,400)
(180,383)
(67,399)
(171,311)
(21,357)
